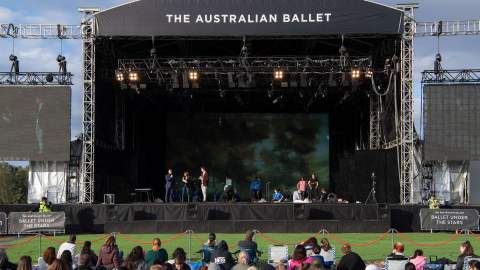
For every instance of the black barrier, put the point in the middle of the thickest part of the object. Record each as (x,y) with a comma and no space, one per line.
(448,219)
(21,222)
(3,223)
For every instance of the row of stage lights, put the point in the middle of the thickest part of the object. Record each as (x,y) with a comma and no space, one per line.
(278,75)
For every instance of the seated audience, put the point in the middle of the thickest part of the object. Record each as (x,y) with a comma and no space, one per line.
(315,255)
(57,265)
(87,249)
(180,257)
(243,261)
(69,245)
(327,252)
(397,252)
(84,262)
(49,255)
(5,264)
(208,247)
(25,263)
(409,266)
(297,197)
(299,258)
(222,257)
(473,265)
(466,250)
(350,260)
(249,246)
(135,260)
(109,256)
(66,258)
(418,259)
(157,253)
(277,196)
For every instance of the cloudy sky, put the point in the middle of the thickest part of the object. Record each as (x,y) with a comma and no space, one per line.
(39,55)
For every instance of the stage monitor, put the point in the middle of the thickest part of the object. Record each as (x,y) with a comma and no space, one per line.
(35,123)
(452,121)
(278,147)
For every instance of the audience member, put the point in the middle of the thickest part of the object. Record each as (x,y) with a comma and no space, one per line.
(208,247)
(409,266)
(25,263)
(466,250)
(249,246)
(67,259)
(47,259)
(84,262)
(87,249)
(69,245)
(243,261)
(316,265)
(473,265)
(222,257)
(316,256)
(57,265)
(309,244)
(135,260)
(398,252)
(277,196)
(327,252)
(109,257)
(157,253)
(299,257)
(350,260)
(5,264)
(180,257)
(418,259)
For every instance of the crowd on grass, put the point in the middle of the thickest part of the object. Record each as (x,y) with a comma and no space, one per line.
(215,255)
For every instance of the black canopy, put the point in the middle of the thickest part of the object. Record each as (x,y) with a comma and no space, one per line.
(248,17)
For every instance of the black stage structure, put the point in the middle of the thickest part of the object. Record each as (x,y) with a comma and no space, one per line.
(332,57)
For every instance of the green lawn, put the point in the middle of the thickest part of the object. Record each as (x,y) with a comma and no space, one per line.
(439,244)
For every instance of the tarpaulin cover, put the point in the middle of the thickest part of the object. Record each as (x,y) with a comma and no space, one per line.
(248,17)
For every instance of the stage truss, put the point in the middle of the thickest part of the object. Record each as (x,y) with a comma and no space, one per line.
(86,32)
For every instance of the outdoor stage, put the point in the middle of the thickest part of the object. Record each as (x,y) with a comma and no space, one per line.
(235,218)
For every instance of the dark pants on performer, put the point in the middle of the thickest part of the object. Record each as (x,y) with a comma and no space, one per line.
(169,193)
(256,195)
(186,189)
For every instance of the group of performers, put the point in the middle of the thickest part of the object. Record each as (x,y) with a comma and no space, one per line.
(191,189)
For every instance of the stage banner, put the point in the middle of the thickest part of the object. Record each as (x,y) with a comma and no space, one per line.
(448,219)
(3,223)
(25,222)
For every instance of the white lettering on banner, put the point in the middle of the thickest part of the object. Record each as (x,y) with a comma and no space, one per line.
(248,18)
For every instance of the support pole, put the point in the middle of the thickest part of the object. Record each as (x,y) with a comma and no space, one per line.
(189,245)
(39,244)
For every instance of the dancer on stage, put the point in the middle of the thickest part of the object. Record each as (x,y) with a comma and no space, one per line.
(169,186)
(187,186)
(203,182)
(313,187)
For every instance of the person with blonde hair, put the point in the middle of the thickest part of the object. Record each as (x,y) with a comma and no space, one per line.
(57,265)
(243,261)
(25,263)
(156,253)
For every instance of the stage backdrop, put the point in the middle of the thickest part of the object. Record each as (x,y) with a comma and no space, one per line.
(35,123)
(279,147)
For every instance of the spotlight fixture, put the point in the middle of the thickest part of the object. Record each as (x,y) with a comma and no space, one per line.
(119,76)
(278,74)
(369,73)
(132,76)
(193,75)
(355,73)
(49,77)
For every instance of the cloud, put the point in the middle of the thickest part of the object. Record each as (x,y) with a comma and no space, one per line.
(6,15)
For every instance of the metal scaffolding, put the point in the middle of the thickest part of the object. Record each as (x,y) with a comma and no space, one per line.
(36,78)
(87,169)
(86,32)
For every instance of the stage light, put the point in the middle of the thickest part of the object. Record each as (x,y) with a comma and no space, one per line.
(119,76)
(49,77)
(193,75)
(278,74)
(369,73)
(133,76)
(355,73)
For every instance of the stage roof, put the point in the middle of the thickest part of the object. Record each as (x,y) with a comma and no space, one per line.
(146,18)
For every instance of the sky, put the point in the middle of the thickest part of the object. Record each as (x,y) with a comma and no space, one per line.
(39,55)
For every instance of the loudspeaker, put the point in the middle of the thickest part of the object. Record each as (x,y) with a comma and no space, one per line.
(192,211)
(299,211)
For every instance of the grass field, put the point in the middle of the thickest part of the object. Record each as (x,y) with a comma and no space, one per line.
(369,245)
